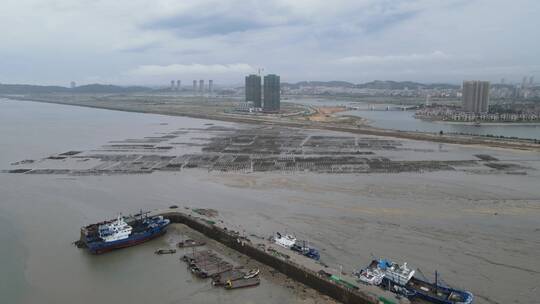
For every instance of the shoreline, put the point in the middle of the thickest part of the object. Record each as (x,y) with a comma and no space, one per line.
(519,144)
(472,123)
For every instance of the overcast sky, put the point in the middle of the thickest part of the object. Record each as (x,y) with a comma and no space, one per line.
(151,42)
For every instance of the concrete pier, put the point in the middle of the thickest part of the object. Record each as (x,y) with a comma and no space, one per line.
(291,269)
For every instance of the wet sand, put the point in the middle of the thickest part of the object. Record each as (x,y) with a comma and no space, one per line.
(479,227)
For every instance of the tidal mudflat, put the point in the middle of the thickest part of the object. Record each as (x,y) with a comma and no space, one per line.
(472,213)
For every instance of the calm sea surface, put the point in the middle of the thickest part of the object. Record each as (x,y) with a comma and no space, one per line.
(405,121)
(41,215)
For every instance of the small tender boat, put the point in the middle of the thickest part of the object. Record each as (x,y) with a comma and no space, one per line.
(370,275)
(252,273)
(286,241)
(165,251)
(242,283)
(231,275)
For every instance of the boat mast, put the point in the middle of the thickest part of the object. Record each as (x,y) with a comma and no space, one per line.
(436,281)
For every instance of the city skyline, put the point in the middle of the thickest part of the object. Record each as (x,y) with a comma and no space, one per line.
(354,41)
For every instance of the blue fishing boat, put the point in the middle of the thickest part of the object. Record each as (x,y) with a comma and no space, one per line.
(122,232)
(417,288)
(303,247)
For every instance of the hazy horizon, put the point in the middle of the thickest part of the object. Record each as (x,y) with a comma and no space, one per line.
(140,43)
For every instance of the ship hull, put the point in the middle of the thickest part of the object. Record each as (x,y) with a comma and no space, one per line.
(132,240)
(415,292)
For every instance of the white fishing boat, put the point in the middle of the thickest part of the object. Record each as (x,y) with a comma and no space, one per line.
(394,272)
(252,273)
(286,241)
(370,275)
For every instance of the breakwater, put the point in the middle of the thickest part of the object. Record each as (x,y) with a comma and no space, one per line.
(295,271)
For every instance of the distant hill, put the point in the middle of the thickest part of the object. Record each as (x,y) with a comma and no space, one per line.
(377,84)
(318,84)
(103,88)
(390,85)
(91,88)
(401,85)
(30,89)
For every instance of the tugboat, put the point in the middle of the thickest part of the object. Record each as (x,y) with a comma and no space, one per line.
(122,232)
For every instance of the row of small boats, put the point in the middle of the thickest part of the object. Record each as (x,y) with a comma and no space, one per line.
(207,264)
(289,241)
(402,280)
(188,243)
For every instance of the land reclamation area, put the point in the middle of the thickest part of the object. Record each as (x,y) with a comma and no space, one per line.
(293,115)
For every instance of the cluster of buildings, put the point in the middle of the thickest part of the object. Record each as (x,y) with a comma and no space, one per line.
(323,90)
(201,87)
(265,97)
(526,90)
(475,107)
(449,114)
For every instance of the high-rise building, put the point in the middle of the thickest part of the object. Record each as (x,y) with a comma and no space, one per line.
(178,85)
(172,85)
(253,90)
(531,81)
(271,93)
(210,86)
(201,85)
(194,85)
(475,96)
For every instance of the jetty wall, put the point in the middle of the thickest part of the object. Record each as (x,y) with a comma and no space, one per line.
(295,271)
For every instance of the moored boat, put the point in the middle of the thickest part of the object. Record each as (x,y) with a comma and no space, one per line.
(435,293)
(400,274)
(286,241)
(242,283)
(303,248)
(370,275)
(165,251)
(231,275)
(122,232)
(417,288)
(190,257)
(190,243)
(252,273)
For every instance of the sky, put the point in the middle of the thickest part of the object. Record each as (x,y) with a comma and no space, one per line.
(136,42)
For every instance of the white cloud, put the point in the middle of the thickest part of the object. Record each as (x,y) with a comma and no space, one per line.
(191,69)
(394,59)
(56,41)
